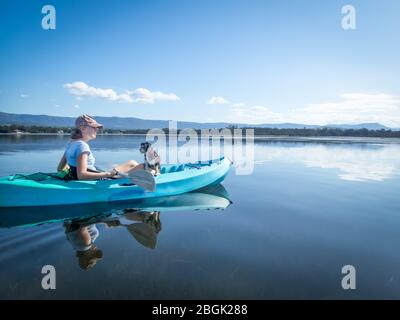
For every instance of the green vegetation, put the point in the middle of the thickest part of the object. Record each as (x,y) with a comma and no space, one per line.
(326,132)
(305,132)
(31,129)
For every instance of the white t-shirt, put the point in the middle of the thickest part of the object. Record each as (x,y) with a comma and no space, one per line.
(76,148)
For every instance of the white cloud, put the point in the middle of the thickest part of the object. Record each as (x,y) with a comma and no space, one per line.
(76,106)
(238,105)
(217,100)
(81,89)
(254,115)
(23,95)
(141,95)
(351,109)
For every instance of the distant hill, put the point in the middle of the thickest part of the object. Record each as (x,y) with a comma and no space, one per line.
(282,126)
(108,122)
(369,126)
(137,123)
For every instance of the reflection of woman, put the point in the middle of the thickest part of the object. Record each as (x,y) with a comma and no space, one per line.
(82,234)
(147,228)
(152,219)
(82,238)
(88,259)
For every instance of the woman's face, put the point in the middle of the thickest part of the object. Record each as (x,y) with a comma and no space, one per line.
(89,133)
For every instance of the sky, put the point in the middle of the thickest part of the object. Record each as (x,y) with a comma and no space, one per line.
(266,61)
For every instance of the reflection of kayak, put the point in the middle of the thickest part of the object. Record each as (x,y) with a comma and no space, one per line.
(212,197)
(173,180)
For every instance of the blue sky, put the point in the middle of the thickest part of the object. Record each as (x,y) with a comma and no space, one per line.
(237,61)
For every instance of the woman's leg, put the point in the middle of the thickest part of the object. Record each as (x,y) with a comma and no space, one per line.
(129,166)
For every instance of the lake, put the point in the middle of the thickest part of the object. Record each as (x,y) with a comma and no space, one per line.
(284,232)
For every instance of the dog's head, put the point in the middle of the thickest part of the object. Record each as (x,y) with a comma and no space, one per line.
(144,146)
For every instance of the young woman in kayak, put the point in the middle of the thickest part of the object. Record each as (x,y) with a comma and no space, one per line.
(79,157)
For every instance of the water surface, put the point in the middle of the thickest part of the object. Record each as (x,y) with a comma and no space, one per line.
(309,208)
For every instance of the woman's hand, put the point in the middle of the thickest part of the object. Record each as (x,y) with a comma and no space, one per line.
(113,173)
(83,174)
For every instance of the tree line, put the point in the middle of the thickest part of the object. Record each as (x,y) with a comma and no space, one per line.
(305,132)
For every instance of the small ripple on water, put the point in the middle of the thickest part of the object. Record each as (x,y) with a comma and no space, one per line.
(25,240)
(17,233)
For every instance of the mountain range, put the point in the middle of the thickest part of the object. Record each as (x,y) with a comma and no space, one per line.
(120,123)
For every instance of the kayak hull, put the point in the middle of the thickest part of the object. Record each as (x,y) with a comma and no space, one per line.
(209,198)
(174,180)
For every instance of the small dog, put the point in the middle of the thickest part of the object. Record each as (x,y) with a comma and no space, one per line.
(151,158)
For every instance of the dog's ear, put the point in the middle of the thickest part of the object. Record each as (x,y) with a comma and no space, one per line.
(143,147)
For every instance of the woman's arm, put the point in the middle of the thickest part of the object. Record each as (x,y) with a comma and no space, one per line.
(83,174)
(62,164)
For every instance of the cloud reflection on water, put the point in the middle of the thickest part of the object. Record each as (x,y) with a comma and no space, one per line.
(354,162)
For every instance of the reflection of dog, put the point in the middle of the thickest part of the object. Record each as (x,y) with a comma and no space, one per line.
(151,158)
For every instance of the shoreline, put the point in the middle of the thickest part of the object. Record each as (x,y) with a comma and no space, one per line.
(256,137)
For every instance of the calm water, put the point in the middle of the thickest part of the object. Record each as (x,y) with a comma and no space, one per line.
(308,209)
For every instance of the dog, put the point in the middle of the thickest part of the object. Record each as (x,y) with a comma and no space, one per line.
(151,158)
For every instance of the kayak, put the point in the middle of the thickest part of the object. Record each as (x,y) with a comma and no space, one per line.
(210,198)
(20,191)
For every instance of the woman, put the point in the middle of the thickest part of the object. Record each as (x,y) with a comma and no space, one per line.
(79,157)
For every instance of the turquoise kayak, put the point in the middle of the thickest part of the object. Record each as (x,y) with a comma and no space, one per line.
(18,191)
(210,198)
